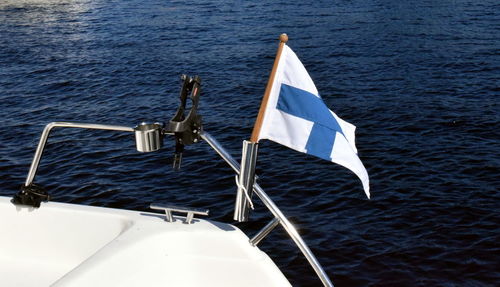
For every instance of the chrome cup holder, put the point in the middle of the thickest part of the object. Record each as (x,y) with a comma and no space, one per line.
(148,136)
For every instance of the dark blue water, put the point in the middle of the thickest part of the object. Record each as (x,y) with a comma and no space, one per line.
(419,79)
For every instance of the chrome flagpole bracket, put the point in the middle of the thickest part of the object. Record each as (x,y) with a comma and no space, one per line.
(271,206)
(245,181)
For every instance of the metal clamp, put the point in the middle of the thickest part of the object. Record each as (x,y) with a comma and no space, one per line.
(186,128)
(170,208)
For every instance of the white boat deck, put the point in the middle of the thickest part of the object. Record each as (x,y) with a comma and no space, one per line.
(74,245)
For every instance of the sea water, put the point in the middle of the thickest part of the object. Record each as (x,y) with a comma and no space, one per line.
(419,79)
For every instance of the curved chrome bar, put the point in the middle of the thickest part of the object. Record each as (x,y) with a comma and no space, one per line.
(287,225)
(227,157)
(45,136)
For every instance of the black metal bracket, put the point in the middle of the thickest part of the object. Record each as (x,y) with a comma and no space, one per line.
(31,195)
(186,128)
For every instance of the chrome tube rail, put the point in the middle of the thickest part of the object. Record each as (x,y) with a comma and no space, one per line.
(279,216)
(45,135)
(287,225)
(264,231)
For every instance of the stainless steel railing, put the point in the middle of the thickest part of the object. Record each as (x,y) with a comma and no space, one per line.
(147,140)
(45,135)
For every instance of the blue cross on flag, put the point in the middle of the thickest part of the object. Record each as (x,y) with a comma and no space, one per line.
(297,117)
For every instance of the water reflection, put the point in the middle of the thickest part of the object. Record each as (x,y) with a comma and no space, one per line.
(47,17)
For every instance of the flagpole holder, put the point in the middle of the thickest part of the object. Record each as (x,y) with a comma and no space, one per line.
(273,208)
(245,181)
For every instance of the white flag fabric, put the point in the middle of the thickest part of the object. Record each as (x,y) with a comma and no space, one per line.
(297,117)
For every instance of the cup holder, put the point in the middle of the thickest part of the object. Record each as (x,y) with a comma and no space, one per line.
(148,136)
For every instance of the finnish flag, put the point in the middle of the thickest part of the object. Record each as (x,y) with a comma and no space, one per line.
(297,117)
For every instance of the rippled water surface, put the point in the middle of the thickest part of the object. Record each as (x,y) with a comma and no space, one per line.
(419,79)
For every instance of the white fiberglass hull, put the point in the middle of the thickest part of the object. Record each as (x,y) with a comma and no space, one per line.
(73,245)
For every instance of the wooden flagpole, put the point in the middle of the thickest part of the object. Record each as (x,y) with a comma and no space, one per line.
(260,117)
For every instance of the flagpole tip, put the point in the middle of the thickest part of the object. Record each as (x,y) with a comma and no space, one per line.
(284,38)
